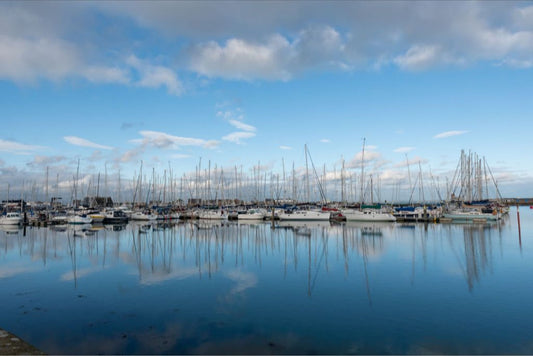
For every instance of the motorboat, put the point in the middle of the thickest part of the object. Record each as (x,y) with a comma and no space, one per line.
(11,218)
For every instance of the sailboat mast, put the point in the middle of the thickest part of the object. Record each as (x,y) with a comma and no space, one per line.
(118,198)
(408,175)
(306,176)
(47,198)
(293,183)
(362,173)
(76,184)
(343,198)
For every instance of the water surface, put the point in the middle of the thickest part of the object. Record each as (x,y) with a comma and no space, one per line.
(254,288)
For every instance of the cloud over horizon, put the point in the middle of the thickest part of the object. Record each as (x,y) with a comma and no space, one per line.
(18,148)
(78,141)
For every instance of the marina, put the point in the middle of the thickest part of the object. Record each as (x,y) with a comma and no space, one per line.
(473,194)
(266,177)
(283,287)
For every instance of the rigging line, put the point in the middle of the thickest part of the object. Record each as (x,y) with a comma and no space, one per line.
(323,196)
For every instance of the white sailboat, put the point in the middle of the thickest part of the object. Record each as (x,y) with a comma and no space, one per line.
(208,214)
(304,215)
(368,212)
(471,215)
(145,215)
(252,214)
(79,219)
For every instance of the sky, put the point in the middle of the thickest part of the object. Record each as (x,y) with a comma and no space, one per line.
(245,85)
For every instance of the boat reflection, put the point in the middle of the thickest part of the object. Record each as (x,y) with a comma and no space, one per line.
(160,252)
(10,229)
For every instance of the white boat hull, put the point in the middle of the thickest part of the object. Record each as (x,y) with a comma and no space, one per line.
(10,220)
(305,215)
(467,216)
(251,216)
(212,215)
(143,217)
(79,220)
(367,215)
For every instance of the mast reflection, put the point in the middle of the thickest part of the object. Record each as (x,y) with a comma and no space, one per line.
(305,250)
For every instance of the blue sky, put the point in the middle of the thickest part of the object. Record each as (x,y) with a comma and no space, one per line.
(247,83)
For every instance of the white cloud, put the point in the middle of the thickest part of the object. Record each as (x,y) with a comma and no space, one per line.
(167,141)
(325,140)
(99,74)
(419,57)
(518,63)
(55,42)
(276,58)
(450,134)
(27,60)
(153,76)
(285,147)
(239,59)
(403,149)
(237,137)
(18,148)
(242,126)
(131,155)
(78,141)
(46,160)
(370,158)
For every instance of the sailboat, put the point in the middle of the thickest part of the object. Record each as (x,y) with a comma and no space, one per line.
(304,215)
(471,204)
(311,214)
(213,214)
(373,212)
(253,214)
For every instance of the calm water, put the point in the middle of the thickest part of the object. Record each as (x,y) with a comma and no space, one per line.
(250,289)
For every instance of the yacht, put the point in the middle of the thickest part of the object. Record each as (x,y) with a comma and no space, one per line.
(252,214)
(11,218)
(367,215)
(304,215)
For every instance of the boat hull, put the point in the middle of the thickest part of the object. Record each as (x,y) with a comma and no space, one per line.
(367,215)
(305,215)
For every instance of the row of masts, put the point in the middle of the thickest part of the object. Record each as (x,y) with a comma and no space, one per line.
(214,184)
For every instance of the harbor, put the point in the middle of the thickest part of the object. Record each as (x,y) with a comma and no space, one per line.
(472,195)
(263,287)
(266,177)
